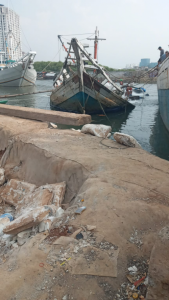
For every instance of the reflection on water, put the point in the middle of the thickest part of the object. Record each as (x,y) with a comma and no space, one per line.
(144,122)
(37,100)
(159,139)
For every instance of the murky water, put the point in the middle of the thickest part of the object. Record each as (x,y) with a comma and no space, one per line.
(144,122)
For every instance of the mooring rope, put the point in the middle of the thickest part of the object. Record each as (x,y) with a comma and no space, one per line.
(24,94)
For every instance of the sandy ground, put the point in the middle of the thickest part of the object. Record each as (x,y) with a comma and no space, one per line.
(126,195)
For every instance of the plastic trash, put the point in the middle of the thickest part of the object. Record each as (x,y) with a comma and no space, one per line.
(133,269)
(79,236)
(9,216)
(80,210)
(138,282)
(98,130)
(126,140)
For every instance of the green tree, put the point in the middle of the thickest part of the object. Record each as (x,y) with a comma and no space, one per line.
(48,66)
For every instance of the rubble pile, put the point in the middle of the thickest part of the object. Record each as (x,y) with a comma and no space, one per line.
(28,209)
(135,286)
(79,251)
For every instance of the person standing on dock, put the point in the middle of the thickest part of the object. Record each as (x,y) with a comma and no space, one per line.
(161,53)
(166,53)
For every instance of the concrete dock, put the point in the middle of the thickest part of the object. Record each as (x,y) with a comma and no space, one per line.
(45,115)
(126,194)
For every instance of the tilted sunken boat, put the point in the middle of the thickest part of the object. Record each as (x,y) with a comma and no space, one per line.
(77,89)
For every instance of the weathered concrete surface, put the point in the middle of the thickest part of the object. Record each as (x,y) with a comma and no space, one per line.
(123,190)
(45,115)
(159,267)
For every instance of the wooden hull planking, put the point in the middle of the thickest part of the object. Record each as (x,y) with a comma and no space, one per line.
(96,98)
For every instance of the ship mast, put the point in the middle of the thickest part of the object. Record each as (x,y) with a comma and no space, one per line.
(96,40)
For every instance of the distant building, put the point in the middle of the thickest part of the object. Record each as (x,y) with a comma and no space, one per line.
(10,36)
(144,62)
(152,65)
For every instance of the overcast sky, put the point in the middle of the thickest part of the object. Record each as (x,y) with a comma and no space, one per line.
(133,28)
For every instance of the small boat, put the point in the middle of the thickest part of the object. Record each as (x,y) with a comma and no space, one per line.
(83,86)
(19,73)
(137,93)
(3,102)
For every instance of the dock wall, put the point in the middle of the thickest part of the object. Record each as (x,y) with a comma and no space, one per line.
(45,115)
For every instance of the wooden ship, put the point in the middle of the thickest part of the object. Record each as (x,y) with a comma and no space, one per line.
(77,87)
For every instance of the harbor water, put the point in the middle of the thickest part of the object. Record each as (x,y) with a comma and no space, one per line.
(143,123)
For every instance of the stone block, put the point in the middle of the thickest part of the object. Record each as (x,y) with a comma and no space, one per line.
(30,218)
(40,197)
(44,115)
(58,190)
(15,191)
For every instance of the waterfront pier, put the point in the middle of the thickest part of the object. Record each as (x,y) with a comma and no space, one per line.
(125,194)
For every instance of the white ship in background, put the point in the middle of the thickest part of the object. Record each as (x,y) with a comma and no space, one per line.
(19,73)
(15,69)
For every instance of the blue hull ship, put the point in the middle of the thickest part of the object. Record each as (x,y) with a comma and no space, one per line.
(83,86)
(163,91)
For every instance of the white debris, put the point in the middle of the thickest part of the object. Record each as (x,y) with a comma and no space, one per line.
(14,245)
(7,237)
(3,223)
(97,130)
(45,225)
(133,269)
(59,212)
(76,129)
(2,176)
(23,236)
(76,249)
(52,125)
(126,140)
(146,281)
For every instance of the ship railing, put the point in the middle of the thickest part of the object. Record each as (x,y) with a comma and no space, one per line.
(30,54)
